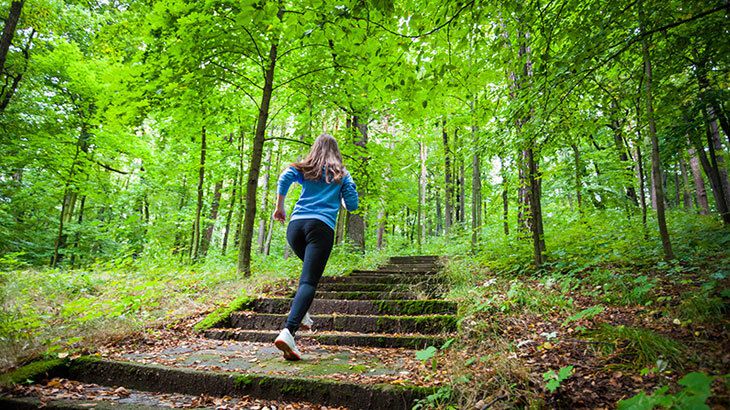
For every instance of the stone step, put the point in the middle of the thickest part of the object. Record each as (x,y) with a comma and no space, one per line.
(408,278)
(409,341)
(359,307)
(355,295)
(166,379)
(33,403)
(389,272)
(366,287)
(424,324)
(409,268)
(418,258)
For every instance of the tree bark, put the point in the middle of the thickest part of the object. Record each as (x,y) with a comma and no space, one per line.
(422,180)
(655,158)
(195,251)
(439,216)
(686,196)
(505,195)
(713,175)
(213,217)
(535,193)
(448,212)
(381,228)
(231,208)
(355,220)
(16,7)
(699,182)
(476,190)
(340,231)
(69,197)
(623,157)
(241,193)
(265,203)
(244,254)
(578,178)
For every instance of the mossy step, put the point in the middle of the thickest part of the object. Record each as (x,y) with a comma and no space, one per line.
(408,341)
(367,287)
(424,324)
(33,403)
(410,258)
(409,268)
(355,295)
(359,307)
(394,278)
(388,272)
(164,379)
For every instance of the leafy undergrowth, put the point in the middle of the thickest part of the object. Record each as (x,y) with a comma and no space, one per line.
(56,312)
(591,329)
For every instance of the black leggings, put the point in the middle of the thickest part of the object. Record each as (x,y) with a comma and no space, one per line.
(311,240)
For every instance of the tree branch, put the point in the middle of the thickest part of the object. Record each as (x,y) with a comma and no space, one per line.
(428,33)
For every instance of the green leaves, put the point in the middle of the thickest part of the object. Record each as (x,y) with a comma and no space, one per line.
(694,395)
(426,354)
(554,379)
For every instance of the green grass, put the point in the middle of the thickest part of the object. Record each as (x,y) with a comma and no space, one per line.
(638,347)
(47,311)
(701,306)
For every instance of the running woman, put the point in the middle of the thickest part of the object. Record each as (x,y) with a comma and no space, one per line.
(311,231)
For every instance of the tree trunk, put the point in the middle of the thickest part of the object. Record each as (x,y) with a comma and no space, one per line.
(505,195)
(213,217)
(229,216)
(195,251)
(439,217)
(714,176)
(77,236)
(422,180)
(656,170)
(686,196)
(640,175)
(340,231)
(381,228)
(448,212)
(523,195)
(476,190)
(717,157)
(241,193)
(69,197)
(623,157)
(265,203)
(270,229)
(355,220)
(244,254)
(9,31)
(699,182)
(578,178)
(535,193)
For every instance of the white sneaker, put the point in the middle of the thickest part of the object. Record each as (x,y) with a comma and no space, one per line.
(307,322)
(285,343)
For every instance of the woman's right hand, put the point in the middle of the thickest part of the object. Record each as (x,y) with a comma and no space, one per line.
(280,215)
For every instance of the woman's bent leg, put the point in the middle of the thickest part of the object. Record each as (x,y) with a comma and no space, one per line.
(319,240)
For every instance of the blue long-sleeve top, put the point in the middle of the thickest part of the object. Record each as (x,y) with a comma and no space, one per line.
(319,199)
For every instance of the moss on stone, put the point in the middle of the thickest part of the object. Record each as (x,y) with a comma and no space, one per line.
(218,316)
(244,380)
(31,372)
(82,360)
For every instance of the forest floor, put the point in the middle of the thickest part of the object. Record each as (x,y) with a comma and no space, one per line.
(586,337)
(615,331)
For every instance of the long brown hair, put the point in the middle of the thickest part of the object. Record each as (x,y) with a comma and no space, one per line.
(324,155)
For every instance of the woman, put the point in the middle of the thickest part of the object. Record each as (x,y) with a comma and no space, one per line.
(311,231)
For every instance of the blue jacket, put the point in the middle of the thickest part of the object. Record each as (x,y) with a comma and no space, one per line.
(319,200)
